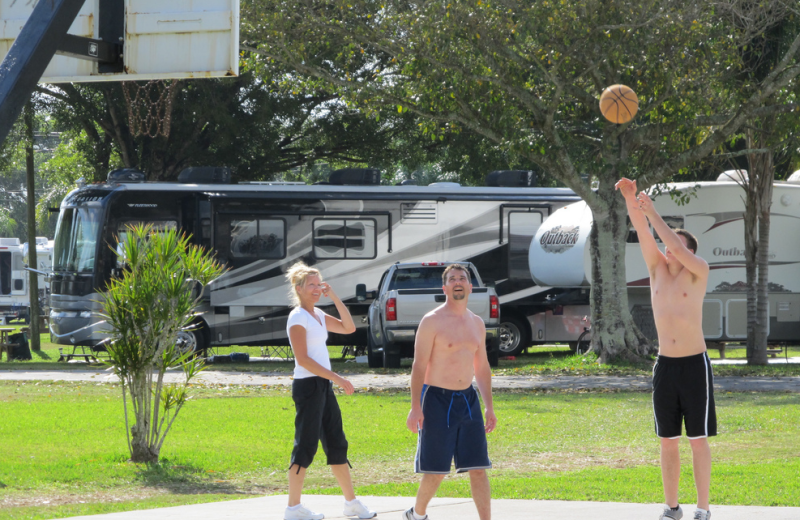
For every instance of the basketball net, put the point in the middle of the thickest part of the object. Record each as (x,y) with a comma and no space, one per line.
(150,106)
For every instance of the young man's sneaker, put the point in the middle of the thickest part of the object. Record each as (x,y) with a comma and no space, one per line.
(409,515)
(671,514)
(700,514)
(356,508)
(301,513)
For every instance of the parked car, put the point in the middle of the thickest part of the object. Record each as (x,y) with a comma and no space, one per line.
(408,291)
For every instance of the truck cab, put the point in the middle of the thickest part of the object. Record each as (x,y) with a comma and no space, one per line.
(405,294)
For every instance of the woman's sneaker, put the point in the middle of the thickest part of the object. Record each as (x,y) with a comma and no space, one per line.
(302,513)
(356,508)
(669,514)
(700,514)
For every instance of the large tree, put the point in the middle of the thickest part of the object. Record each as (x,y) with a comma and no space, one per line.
(526,76)
(254,124)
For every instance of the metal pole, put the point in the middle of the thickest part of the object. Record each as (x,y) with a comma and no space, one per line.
(33,260)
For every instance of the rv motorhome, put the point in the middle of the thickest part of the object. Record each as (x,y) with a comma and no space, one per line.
(714,213)
(351,232)
(14,286)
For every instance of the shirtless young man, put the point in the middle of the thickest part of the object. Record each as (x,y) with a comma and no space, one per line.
(450,349)
(683,384)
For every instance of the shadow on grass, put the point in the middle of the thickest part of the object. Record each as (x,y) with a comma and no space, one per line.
(41,354)
(184,479)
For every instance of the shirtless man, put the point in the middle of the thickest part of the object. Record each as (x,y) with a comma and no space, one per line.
(683,384)
(445,411)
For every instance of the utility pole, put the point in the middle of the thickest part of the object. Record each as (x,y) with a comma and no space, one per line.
(33,260)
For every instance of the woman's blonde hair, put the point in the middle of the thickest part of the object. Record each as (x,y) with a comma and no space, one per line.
(296,276)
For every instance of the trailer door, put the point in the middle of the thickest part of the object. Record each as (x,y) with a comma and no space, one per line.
(522,226)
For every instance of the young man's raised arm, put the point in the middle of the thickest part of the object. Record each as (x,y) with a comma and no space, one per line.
(685,256)
(652,255)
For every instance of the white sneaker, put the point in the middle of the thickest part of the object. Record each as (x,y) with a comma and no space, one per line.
(302,513)
(409,515)
(358,509)
(699,514)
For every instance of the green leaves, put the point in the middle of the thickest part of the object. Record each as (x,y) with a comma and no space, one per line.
(146,308)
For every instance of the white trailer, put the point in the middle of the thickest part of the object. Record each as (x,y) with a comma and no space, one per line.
(14,287)
(714,213)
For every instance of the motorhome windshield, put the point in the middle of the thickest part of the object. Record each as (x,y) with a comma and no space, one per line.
(76,239)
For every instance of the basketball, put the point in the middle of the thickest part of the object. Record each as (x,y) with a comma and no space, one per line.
(619,104)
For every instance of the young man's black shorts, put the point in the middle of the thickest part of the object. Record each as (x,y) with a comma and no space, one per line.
(683,392)
(452,429)
(318,418)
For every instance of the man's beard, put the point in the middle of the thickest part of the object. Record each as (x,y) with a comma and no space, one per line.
(459,295)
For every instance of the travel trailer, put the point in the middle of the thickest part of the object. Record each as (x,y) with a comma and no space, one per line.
(352,229)
(714,213)
(14,286)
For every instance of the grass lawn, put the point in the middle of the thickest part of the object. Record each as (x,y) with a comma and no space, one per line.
(539,360)
(64,449)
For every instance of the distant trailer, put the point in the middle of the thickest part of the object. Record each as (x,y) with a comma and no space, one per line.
(352,232)
(14,287)
(714,213)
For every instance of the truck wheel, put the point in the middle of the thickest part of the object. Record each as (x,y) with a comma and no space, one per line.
(514,335)
(374,359)
(390,359)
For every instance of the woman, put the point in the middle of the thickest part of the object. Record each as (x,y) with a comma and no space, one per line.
(317,413)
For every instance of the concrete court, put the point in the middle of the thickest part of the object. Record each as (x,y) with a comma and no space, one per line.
(272,507)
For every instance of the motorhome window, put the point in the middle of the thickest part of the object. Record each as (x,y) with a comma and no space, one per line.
(258,238)
(344,238)
(124,227)
(421,278)
(76,239)
(672,222)
(5,273)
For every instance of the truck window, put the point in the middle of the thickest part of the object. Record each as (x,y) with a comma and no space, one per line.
(421,278)
(345,238)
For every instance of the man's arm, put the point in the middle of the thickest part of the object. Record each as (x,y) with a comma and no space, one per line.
(652,255)
(423,347)
(696,265)
(483,377)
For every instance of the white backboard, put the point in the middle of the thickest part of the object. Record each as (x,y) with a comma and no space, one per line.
(164,39)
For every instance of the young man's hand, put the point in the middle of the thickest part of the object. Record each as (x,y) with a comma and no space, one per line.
(645,203)
(627,187)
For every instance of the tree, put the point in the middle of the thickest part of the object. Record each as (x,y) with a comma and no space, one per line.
(253,123)
(146,309)
(526,76)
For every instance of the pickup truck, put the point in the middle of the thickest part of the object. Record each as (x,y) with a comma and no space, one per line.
(405,294)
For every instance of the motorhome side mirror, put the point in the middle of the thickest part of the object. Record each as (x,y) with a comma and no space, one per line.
(361,292)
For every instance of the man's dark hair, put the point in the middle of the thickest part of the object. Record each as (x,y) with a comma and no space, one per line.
(455,267)
(691,241)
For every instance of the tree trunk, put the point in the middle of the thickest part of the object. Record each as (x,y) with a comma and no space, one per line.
(33,260)
(758,204)
(142,449)
(615,337)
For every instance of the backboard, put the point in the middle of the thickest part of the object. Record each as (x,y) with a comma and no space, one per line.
(164,39)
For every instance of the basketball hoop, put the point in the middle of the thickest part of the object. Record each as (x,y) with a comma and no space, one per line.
(150,106)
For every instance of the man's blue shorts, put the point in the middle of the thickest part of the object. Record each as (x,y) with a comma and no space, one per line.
(452,428)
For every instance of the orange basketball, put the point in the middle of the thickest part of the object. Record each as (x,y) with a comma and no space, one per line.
(619,104)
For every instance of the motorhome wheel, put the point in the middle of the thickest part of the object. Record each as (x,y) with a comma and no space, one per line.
(514,336)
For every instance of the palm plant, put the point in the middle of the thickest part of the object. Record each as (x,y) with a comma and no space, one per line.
(146,308)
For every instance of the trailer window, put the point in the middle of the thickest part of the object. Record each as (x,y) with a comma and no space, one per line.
(5,273)
(344,238)
(259,238)
(672,222)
